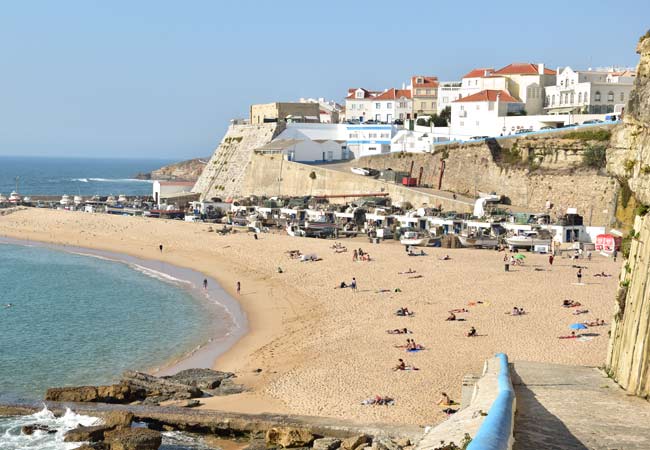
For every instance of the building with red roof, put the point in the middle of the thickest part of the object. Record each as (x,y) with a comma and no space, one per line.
(379,106)
(424,91)
(478,114)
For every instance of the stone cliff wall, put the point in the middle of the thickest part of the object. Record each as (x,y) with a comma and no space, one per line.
(528,171)
(273,176)
(189,170)
(223,176)
(628,359)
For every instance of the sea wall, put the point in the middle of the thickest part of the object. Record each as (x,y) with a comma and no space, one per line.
(528,171)
(628,359)
(271,175)
(223,176)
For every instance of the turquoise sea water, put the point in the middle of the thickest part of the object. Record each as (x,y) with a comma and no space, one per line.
(79,319)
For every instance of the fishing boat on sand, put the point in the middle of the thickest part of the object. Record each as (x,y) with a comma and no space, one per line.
(414,238)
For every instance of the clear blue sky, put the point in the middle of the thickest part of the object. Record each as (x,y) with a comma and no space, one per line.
(162,78)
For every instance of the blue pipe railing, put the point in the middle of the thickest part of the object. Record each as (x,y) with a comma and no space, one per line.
(495,431)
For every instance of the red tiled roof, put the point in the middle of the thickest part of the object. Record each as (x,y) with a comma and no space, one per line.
(522,69)
(426,81)
(479,73)
(366,93)
(393,94)
(489,95)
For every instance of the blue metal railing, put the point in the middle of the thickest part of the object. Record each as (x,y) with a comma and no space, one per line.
(495,431)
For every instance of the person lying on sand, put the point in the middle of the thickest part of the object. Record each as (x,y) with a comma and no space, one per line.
(580,311)
(294,254)
(412,253)
(399,331)
(411,345)
(570,304)
(408,272)
(445,400)
(378,400)
(365,257)
(416,277)
(445,258)
(517,311)
(451,316)
(343,285)
(595,323)
(571,336)
(403,312)
(459,310)
(341,250)
(472,332)
(401,365)
(602,274)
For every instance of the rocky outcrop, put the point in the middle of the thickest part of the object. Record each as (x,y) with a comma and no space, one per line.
(628,360)
(189,170)
(87,434)
(31,429)
(134,439)
(289,437)
(141,387)
(115,393)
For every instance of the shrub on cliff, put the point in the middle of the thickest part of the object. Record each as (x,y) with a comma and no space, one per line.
(595,156)
(589,135)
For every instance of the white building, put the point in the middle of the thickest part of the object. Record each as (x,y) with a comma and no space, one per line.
(589,92)
(170,190)
(523,81)
(310,142)
(475,114)
(384,107)
(411,142)
(330,111)
(368,140)
(448,92)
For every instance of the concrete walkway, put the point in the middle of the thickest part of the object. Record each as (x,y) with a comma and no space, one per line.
(569,407)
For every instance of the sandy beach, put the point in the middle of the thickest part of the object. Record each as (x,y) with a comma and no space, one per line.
(323,350)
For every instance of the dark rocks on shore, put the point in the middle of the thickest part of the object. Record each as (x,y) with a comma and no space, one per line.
(355,442)
(289,437)
(31,429)
(327,444)
(134,439)
(150,390)
(87,434)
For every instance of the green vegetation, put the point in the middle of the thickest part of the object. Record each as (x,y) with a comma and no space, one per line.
(437,120)
(464,443)
(589,135)
(511,155)
(641,210)
(595,156)
(629,164)
(312,175)
(645,170)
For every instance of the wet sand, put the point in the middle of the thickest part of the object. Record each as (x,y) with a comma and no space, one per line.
(323,350)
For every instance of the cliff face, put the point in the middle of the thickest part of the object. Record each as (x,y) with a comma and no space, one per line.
(527,170)
(628,359)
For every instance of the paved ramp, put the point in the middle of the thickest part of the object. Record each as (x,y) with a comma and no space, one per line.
(570,407)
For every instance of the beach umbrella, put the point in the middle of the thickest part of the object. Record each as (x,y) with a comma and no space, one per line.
(578,326)
(520,256)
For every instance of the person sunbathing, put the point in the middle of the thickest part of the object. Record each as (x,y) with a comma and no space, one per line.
(343,285)
(399,331)
(595,323)
(571,304)
(580,311)
(451,316)
(459,310)
(341,250)
(401,365)
(413,346)
(445,258)
(378,400)
(571,336)
(403,312)
(415,277)
(472,332)
(602,274)
(410,271)
(515,311)
(444,400)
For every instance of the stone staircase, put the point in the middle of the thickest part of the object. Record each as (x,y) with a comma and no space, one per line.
(224,174)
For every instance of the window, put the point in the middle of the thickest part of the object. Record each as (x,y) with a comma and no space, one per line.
(579,97)
(372,149)
(597,96)
(418,91)
(384,135)
(419,81)
(377,105)
(553,99)
(548,100)
(433,105)
(572,98)
(462,107)
(462,124)
(445,99)
(585,98)
(477,123)
(354,135)
(372,136)
(622,96)
(610,97)
(389,105)
(427,92)
(359,94)
(423,105)
(478,107)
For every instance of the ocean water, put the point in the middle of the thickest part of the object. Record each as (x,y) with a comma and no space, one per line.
(76,176)
(77,319)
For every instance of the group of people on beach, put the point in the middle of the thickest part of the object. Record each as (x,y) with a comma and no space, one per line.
(360,255)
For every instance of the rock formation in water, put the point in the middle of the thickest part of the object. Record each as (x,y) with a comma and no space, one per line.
(189,170)
(628,159)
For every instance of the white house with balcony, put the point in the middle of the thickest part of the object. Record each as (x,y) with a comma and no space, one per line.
(481,114)
(384,107)
(588,92)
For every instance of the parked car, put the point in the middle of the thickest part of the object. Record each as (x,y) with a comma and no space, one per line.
(398,122)
(587,122)
(371,122)
(548,127)
(352,121)
(524,130)
(569,125)
(478,138)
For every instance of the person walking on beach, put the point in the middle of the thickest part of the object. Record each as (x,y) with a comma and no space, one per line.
(579,275)
(353,285)
(238,288)
(160,247)
(615,254)
(355,256)
(205,284)
(550,259)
